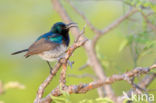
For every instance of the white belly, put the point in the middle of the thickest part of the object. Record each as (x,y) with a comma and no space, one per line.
(55,54)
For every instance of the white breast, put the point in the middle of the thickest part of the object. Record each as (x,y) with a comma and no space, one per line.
(55,54)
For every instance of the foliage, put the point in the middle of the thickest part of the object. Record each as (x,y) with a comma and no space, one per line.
(139,3)
(63,99)
(66,96)
(140,44)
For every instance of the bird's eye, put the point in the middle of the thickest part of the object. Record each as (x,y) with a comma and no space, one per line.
(63,27)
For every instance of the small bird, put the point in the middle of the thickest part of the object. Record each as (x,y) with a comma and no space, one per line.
(52,45)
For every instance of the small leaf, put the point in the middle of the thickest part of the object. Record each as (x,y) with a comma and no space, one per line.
(149,45)
(123,45)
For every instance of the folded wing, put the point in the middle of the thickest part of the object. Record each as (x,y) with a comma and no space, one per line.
(40,46)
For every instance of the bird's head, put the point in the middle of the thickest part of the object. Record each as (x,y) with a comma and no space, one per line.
(62,28)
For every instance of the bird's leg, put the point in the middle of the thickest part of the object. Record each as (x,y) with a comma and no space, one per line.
(51,69)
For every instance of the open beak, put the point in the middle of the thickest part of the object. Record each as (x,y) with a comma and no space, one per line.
(71,25)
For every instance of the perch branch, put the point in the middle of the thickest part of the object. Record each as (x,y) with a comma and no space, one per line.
(63,72)
(61,62)
(46,82)
(63,75)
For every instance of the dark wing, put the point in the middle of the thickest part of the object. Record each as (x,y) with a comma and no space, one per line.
(40,46)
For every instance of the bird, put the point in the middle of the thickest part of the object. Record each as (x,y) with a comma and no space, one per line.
(52,45)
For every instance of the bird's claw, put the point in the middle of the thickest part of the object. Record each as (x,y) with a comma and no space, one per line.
(70,63)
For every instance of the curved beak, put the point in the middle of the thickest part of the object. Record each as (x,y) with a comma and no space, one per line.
(71,25)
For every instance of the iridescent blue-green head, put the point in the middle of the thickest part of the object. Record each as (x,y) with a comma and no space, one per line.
(62,28)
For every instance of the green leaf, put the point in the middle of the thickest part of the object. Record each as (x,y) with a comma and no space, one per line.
(123,45)
(149,44)
(57,98)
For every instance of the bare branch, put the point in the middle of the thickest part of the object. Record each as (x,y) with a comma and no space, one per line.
(83,88)
(114,24)
(119,21)
(83,76)
(146,81)
(143,84)
(108,28)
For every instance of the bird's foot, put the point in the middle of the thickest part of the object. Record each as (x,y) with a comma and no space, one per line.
(70,63)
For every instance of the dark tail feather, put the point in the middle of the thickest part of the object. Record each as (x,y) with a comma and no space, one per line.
(19,52)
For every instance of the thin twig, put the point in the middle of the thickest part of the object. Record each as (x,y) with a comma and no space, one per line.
(82,32)
(143,84)
(83,66)
(114,24)
(146,81)
(95,30)
(153,27)
(83,76)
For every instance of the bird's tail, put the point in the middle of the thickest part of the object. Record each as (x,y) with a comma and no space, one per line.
(21,51)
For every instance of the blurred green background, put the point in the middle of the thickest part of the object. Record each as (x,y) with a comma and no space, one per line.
(22,21)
